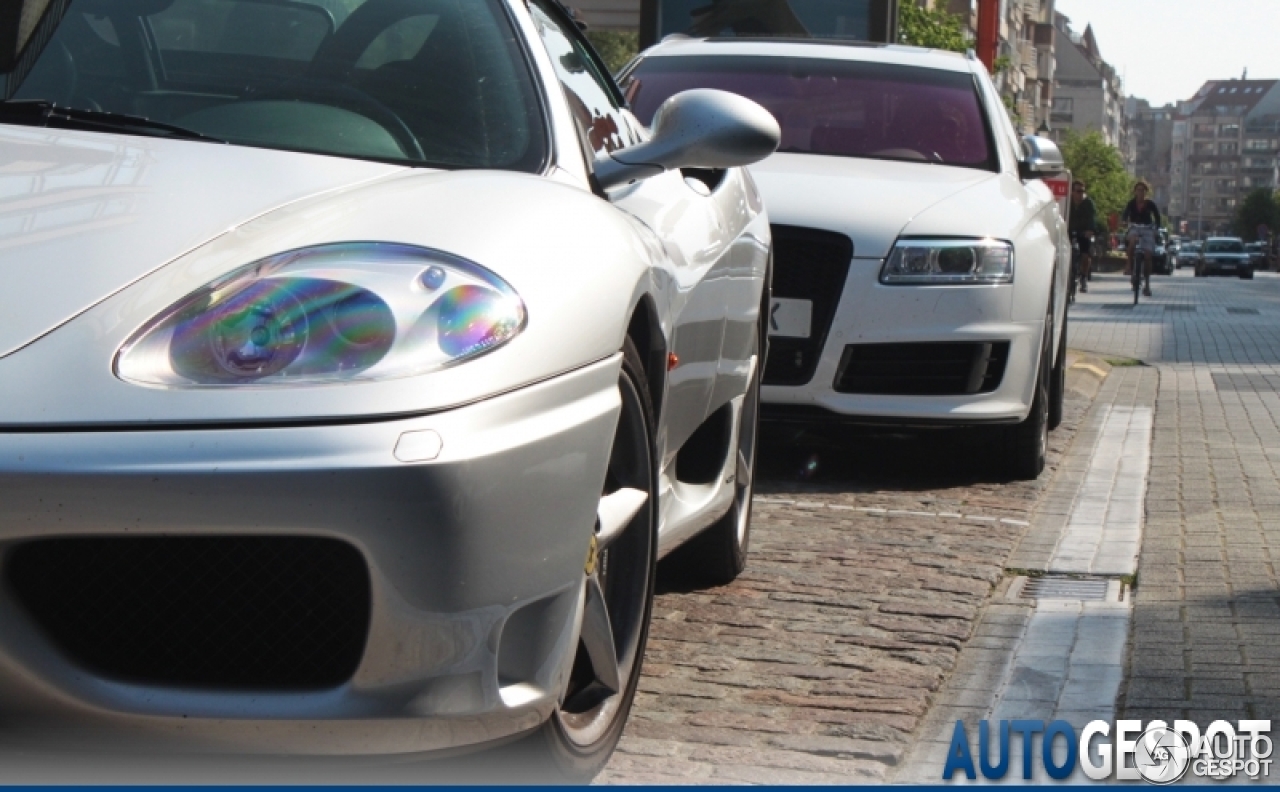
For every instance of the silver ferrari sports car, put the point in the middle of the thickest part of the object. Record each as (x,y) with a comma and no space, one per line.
(358,361)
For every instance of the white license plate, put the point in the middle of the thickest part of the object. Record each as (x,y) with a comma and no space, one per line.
(790,318)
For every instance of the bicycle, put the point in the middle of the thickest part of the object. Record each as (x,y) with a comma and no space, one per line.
(1141,240)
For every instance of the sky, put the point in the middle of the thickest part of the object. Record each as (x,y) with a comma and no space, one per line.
(1166,49)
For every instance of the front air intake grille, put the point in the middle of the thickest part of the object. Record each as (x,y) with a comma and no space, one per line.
(922,369)
(807,265)
(235,612)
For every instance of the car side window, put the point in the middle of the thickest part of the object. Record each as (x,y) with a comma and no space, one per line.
(595,108)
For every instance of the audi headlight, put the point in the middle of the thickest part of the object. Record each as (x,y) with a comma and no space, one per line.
(330,313)
(948,261)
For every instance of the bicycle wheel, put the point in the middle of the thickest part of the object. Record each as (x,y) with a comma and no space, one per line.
(1136,279)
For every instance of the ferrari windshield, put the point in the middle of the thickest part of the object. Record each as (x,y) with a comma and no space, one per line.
(439,83)
(837,107)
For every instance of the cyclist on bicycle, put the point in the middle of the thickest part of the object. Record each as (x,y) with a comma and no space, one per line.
(1143,218)
(1081,226)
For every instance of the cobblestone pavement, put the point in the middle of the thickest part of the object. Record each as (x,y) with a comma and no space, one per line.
(871,561)
(1205,642)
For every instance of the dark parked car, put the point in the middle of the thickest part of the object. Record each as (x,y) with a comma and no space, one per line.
(1224,256)
(1257,255)
(1188,254)
(1161,260)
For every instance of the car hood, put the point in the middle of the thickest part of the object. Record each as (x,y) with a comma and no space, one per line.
(83,215)
(871,201)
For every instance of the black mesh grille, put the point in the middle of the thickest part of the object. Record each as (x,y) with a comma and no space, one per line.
(807,265)
(929,369)
(219,612)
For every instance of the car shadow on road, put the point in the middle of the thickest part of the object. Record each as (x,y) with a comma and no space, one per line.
(796,458)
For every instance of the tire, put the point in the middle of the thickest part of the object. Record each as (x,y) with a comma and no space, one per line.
(1246,275)
(1058,380)
(718,555)
(576,742)
(1026,443)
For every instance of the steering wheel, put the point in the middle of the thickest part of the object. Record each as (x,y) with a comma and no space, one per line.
(347,97)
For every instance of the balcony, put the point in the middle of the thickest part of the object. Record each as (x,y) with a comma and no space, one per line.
(1027,59)
(1044,36)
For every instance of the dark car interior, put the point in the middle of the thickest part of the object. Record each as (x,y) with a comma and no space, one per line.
(435,82)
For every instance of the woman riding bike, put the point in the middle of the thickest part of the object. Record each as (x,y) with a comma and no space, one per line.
(1143,218)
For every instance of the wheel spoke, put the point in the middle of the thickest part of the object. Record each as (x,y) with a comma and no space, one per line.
(615,513)
(744,470)
(597,640)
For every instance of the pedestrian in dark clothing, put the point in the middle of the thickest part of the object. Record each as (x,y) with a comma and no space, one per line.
(1080,226)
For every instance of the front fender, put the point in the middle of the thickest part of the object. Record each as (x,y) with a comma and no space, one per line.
(578,263)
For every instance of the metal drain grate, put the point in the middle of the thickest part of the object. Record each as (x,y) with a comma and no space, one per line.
(1116,306)
(1245,311)
(1089,589)
(1185,308)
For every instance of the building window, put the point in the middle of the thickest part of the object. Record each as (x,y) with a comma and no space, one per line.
(1226,185)
(1228,148)
(1229,130)
(1259,144)
(1204,130)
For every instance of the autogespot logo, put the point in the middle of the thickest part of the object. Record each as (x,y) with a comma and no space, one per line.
(1157,753)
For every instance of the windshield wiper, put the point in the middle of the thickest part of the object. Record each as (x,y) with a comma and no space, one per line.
(37,112)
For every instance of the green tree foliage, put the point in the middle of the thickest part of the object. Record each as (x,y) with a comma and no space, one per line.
(616,47)
(1260,207)
(1098,164)
(930,26)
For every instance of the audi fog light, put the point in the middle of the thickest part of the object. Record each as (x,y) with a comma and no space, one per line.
(356,311)
(948,261)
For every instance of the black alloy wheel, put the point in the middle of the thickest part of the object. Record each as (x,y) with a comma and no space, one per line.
(1027,443)
(1058,380)
(576,743)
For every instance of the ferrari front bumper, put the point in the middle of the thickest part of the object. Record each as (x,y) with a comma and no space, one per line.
(471,526)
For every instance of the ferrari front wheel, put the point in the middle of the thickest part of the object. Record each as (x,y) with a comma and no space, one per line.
(618,582)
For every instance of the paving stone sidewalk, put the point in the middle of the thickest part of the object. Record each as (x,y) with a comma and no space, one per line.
(1205,642)
(865,583)
(1057,656)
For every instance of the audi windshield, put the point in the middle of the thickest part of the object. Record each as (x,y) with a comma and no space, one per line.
(837,107)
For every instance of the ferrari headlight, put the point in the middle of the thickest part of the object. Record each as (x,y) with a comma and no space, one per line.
(948,261)
(331,313)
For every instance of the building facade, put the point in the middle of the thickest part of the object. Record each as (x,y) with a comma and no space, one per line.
(1225,144)
(1087,92)
(1149,132)
(1026,63)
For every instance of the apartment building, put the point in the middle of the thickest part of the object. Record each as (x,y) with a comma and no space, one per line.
(1225,144)
(1026,62)
(1087,92)
(1150,139)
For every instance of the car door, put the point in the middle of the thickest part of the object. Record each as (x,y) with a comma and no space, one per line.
(687,215)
